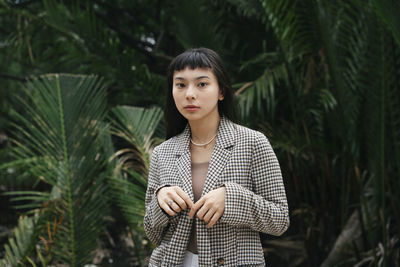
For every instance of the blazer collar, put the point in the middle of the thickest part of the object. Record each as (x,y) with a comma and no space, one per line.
(225,137)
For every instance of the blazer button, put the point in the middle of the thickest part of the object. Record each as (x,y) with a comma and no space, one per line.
(220,261)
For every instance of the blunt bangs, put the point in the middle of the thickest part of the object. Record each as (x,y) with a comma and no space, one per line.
(192,59)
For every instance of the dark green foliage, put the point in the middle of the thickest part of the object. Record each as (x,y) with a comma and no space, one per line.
(56,140)
(320,78)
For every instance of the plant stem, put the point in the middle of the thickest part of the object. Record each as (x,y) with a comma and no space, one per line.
(67,173)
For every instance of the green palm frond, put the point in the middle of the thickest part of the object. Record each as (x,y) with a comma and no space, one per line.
(259,95)
(80,24)
(20,246)
(129,196)
(388,12)
(128,179)
(393,139)
(129,166)
(363,67)
(32,200)
(341,87)
(19,249)
(248,8)
(196,27)
(290,22)
(137,127)
(58,137)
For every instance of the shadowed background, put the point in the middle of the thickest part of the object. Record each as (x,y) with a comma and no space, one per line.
(82,86)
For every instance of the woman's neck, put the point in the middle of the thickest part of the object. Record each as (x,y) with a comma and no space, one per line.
(204,130)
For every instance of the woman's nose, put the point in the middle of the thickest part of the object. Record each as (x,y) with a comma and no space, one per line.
(190,94)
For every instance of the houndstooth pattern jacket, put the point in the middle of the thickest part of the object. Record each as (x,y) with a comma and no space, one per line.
(244,162)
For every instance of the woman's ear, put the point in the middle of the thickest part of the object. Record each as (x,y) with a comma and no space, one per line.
(221,96)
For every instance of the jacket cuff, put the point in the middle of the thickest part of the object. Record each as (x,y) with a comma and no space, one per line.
(160,216)
(235,204)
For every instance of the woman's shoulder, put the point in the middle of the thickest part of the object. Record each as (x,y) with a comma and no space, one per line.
(168,145)
(247,138)
(243,132)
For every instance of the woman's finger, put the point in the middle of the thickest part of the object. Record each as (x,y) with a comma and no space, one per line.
(202,211)
(180,202)
(168,209)
(208,215)
(195,207)
(214,219)
(185,198)
(175,207)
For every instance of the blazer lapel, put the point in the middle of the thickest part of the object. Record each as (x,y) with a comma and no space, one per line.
(219,158)
(183,162)
(221,154)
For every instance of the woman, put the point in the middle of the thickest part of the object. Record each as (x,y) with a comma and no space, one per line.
(213,185)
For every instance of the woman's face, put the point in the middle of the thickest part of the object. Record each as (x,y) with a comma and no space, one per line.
(196,93)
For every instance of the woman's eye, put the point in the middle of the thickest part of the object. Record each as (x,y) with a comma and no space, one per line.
(180,85)
(202,84)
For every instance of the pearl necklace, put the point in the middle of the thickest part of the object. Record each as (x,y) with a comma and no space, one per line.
(204,144)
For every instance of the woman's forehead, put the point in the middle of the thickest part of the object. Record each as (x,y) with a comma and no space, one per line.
(188,73)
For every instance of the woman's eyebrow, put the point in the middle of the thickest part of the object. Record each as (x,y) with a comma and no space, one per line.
(197,78)
(202,77)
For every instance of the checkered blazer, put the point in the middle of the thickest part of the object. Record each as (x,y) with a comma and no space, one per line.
(244,162)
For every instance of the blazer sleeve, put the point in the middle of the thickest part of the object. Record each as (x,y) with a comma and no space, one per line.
(155,219)
(263,209)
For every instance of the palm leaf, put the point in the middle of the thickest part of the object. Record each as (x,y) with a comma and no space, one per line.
(259,95)
(196,27)
(130,197)
(345,111)
(249,8)
(363,63)
(57,136)
(129,166)
(20,247)
(388,12)
(136,126)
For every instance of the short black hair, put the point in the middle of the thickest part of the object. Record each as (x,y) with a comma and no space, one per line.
(203,58)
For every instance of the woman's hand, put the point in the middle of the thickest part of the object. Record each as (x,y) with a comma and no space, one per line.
(172,199)
(210,207)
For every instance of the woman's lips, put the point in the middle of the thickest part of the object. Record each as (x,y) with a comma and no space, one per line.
(191,108)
